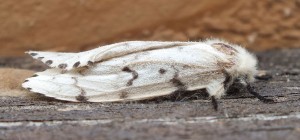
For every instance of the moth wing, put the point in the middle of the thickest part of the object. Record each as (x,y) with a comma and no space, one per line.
(53,84)
(68,61)
(119,86)
(155,73)
(74,87)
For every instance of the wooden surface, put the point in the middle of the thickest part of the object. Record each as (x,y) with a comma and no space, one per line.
(240,116)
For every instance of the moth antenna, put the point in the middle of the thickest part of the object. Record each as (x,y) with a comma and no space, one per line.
(214,103)
(258,96)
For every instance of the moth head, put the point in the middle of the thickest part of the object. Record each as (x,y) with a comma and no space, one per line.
(246,65)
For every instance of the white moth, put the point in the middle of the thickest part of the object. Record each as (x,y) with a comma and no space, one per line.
(137,70)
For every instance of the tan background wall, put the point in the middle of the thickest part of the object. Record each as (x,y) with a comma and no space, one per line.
(76,25)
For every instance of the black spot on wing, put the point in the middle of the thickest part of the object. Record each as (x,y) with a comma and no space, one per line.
(123,95)
(135,75)
(33,54)
(162,71)
(76,64)
(25,81)
(90,63)
(177,83)
(40,58)
(49,62)
(81,98)
(35,75)
(126,69)
(62,66)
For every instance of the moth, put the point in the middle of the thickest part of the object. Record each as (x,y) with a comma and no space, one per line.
(137,70)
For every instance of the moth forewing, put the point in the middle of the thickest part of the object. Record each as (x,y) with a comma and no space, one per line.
(138,70)
(70,61)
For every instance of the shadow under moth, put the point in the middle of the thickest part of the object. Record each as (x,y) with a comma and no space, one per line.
(138,70)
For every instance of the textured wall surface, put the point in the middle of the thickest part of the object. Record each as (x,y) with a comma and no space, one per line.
(59,25)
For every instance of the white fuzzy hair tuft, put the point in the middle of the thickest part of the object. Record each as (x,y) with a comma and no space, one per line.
(246,63)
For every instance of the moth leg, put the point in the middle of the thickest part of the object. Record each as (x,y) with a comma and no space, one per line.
(215,91)
(214,103)
(261,98)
